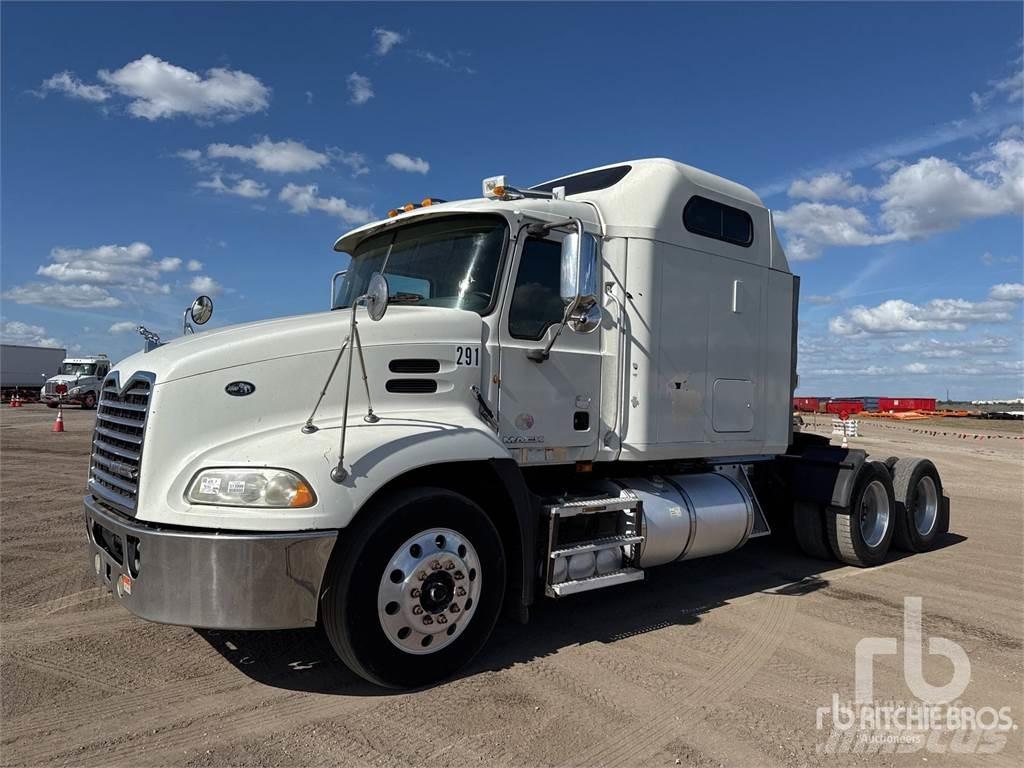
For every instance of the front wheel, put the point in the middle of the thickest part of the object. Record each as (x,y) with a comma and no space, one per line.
(89,401)
(414,588)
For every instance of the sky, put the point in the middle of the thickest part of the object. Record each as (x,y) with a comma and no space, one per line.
(152,152)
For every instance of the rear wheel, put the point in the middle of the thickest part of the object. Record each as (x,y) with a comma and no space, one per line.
(921,515)
(861,533)
(809,528)
(415,587)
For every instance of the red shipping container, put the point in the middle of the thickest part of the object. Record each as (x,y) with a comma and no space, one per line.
(805,403)
(906,404)
(848,407)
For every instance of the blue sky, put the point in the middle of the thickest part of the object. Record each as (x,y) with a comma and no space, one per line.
(153,151)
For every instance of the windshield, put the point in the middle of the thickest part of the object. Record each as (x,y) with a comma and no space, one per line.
(78,369)
(451,262)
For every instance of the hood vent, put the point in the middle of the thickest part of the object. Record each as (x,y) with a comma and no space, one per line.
(414,366)
(411,386)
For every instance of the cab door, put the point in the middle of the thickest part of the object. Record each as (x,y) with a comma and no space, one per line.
(548,411)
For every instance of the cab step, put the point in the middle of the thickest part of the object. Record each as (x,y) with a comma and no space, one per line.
(580,563)
(622,576)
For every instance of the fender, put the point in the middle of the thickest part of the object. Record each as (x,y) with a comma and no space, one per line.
(823,473)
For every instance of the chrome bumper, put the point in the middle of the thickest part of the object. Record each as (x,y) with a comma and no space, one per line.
(209,579)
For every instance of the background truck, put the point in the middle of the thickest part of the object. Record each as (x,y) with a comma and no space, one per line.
(24,368)
(533,394)
(77,382)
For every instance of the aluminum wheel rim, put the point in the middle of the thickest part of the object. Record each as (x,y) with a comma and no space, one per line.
(926,506)
(874,514)
(429,591)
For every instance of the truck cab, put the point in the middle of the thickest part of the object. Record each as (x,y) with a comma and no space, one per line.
(77,382)
(534,393)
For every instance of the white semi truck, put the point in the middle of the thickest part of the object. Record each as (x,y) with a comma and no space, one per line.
(532,394)
(77,382)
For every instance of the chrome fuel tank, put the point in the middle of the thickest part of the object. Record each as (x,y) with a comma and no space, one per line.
(691,516)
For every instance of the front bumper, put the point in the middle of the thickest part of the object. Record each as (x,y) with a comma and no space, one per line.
(209,579)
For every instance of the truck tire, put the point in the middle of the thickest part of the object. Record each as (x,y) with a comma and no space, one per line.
(921,515)
(809,528)
(89,401)
(414,587)
(861,533)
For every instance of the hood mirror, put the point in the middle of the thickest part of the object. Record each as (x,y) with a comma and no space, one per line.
(377,296)
(202,310)
(199,313)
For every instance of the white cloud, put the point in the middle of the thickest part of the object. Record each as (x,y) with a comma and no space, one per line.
(916,368)
(130,266)
(17,332)
(814,225)
(916,200)
(68,84)
(989,260)
(385,39)
(360,88)
(194,265)
(309,97)
(206,285)
(1009,89)
(828,186)
(356,161)
(819,299)
(125,326)
(286,156)
(409,164)
(247,188)
(1007,292)
(446,60)
(933,194)
(158,89)
(57,295)
(935,349)
(303,199)
(899,316)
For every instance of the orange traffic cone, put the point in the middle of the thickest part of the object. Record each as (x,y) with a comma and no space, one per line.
(58,425)
(17,402)
(14,402)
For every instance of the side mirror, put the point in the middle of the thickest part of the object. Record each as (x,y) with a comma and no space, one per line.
(201,310)
(579,269)
(579,281)
(377,296)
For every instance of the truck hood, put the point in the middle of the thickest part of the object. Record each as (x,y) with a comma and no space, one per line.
(264,340)
(69,379)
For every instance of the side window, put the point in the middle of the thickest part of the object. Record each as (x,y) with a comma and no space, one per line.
(536,303)
(721,222)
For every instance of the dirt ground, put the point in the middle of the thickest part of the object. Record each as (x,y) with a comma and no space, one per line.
(723,661)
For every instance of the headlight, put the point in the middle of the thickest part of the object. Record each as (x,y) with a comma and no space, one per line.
(244,487)
(75,391)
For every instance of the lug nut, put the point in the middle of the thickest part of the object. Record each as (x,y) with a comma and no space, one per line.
(442,619)
(460,591)
(417,609)
(415,593)
(435,565)
(458,576)
(449,565)
(455,608)
(422,575)
(428,620)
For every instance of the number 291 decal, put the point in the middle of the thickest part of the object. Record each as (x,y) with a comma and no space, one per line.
(468,357)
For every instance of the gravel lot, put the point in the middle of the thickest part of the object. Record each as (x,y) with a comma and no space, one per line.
(715,662)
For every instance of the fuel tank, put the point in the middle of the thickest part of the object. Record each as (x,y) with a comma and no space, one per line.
(691,516)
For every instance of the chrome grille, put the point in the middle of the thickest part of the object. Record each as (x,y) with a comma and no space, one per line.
(117,443)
